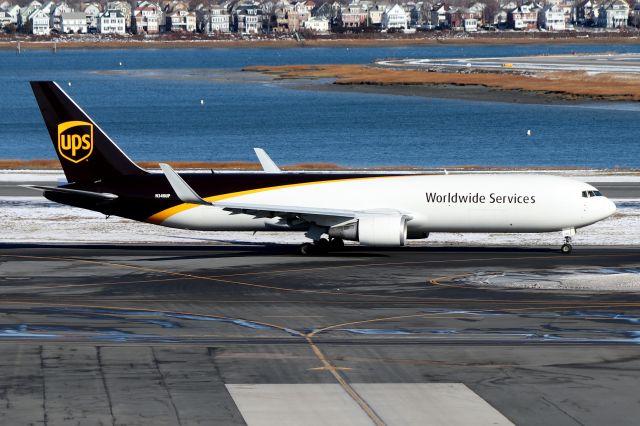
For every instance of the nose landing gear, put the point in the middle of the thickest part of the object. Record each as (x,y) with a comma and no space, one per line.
(566,247)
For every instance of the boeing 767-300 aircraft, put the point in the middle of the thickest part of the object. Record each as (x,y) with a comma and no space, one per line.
(372,209)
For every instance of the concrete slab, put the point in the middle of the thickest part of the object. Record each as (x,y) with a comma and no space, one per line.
(297,404)
(429,404)
(397,404)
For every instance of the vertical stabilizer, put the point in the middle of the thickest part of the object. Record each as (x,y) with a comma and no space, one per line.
(86,153)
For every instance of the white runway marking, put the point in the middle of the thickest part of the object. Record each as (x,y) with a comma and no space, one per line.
(429,404)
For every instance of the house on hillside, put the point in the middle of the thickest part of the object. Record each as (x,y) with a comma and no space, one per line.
(523,17)
(181,20)
(318,25)
(91,11)
(124,7)
(147,18)
(394,17)
(613,14)
(247,19)
(38,23)
(73,23)
(552,18)
(56,13)
(352,16)
(112,22)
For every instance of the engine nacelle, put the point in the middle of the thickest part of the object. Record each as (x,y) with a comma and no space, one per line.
(374,230)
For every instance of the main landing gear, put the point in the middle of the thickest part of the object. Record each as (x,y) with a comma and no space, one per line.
(321,246)
(566,247)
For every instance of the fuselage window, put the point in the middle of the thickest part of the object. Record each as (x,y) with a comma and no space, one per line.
(598,193)
(585,194)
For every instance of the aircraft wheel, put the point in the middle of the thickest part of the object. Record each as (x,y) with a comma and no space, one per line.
(336,244)
(307,249)
(322,246)
(566,249)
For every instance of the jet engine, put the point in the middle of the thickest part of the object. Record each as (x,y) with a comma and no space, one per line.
(373,230)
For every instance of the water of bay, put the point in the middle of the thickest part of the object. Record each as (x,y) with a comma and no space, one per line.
(154,111)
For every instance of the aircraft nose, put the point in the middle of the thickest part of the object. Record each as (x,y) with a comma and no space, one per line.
(609,208)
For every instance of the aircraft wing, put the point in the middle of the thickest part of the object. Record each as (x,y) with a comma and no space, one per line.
(188,195)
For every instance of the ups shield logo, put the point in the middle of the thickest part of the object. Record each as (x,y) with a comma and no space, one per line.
(75,140)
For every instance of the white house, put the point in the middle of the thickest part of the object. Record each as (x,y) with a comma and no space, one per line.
(318,24)
(552,18)
(248,19)
(219,20)
(124,7)
(181,20)
(56,13)
(14,12)
(613,14)
(394,17)
(111,22)
(38,23)
(73,23)
(470,24)
(5,19)
(91,11)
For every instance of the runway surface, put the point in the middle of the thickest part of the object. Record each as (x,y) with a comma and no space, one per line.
(259,335)
(617,63)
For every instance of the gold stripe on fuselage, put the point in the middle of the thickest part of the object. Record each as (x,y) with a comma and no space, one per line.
(160,217)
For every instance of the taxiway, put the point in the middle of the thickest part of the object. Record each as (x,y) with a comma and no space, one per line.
(145,334)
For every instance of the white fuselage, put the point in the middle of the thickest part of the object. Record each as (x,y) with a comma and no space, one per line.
(435,203)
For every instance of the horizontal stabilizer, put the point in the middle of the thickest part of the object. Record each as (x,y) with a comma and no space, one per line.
(101,195)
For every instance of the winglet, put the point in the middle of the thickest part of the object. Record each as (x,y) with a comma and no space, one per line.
(267,163)
(181,188)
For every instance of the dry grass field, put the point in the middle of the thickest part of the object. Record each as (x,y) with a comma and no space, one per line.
(570,85)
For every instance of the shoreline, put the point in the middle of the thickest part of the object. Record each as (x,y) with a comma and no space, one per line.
(50,165)
(208,43)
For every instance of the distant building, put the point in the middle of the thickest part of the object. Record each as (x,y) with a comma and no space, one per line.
(91,11)
(552,18)
(441,15)
(147,18)
(56,15)
(394,17)
(38,23)
(587,12)
(73,23)
(247,19)
(112,22)
(14,13)
(352,16)
(218,20)
(124,7)
(634,16)
(318,25)
(614,14)
(470,24)
(5,19)
(181,20)
(523,17)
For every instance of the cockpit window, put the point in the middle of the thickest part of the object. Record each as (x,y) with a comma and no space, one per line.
(589,194)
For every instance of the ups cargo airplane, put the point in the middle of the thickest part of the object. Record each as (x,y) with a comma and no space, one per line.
(372,209)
